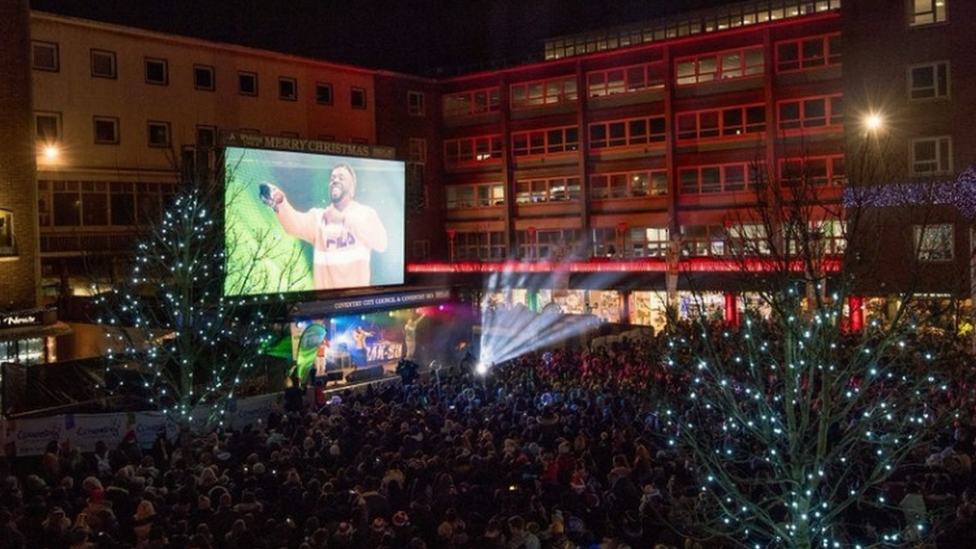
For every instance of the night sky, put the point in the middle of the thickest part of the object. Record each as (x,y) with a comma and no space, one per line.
(410,36)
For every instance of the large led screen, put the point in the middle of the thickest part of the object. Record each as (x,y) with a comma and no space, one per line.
(297,222)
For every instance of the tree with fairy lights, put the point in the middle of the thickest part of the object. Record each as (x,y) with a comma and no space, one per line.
(797,426)
(183,329)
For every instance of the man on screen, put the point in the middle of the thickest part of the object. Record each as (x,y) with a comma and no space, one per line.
(343,234)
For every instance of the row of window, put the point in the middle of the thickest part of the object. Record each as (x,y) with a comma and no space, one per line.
(925,81)
(46,57)
(815,171)
(101,203)
(106,130)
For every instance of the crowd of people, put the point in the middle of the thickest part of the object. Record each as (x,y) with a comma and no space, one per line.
(555,449)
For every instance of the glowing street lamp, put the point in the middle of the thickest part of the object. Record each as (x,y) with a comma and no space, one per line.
(873,122)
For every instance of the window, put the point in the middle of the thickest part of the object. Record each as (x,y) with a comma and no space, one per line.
(158,133)
(934,242)
(47,126)
(636,184)
(417,150)
(287,89)
(323,93)
(720,66)
(625,80)
(207,136)
(415,103)
(358,98)
(556,189)
(203,77)
(749,239)
(471,102)
(729,122)
(622,133)
(103,64)
(930,81)
(479,246)
(647,242)
(44,56)
(545,92)
(702,240)
(7,246)
(808,53)
(816,171)
(811,112)
(475,196)
(926,12)
(157,71)
(106,130)
(932,155)
(551,141)
(472,149)
(247,83)
(715,179)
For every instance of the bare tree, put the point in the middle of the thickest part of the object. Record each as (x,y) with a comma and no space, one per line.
(794,423)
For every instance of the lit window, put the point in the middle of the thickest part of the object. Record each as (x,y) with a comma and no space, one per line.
(203,77)
(106,130)
(287,89)
(103,64)
(934,242)
(926,12)
(44,56)
(247,83)
(932,155)
(7,244)
(471,103)
(159,134)
(930,81)
(157,71)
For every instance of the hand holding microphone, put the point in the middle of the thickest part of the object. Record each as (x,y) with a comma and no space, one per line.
(270,195)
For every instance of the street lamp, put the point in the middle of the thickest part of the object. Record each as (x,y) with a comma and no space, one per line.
(873,122)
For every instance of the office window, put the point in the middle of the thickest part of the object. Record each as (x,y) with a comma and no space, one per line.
(623,133)
(636,184)
(730,122)
(472,102)
(715,179)
(720,66)
(808,53)
(158,134)
(926,12)
(415,103)
(647,242)
(811,112)
(287,89)
(555,189)
(931,155)
(47,126)
(475,196)
(551,141)
(44,56)
(815,171)
(934,242)
(472,149)
(203,77)
(206,136)
(157,71)
(247,83)
(929,81)
(545,92)
(103,64)
(323,93)
(357,98)
(625,80)
(106,130)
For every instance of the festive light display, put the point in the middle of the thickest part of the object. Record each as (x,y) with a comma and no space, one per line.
(188,346)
